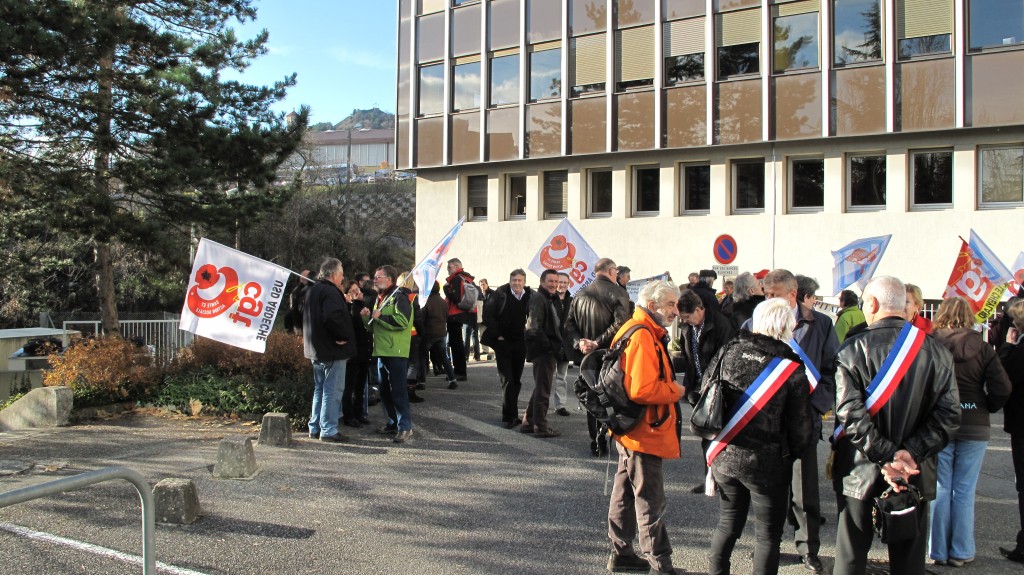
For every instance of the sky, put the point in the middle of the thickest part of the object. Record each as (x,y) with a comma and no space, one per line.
(342,50)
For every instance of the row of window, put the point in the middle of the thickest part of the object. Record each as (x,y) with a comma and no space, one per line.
(1000,175)
(924,27)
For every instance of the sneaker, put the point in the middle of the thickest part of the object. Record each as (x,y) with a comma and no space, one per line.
(1015,554)
(387,429)
(336,438)
(402,436)
(546,432)
(627,563)
(954,562)
(562,411)
(453,385)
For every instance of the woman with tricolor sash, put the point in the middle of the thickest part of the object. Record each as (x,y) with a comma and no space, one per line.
(768,417)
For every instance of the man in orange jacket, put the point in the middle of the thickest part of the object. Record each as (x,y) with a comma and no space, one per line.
(638,495)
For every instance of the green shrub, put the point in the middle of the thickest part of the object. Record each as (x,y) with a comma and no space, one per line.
(103,370)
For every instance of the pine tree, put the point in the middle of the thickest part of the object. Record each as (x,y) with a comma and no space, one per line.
(115,121)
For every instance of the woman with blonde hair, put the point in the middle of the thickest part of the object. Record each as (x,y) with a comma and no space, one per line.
(915,302)
(984,388)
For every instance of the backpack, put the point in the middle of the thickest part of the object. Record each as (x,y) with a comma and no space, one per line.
(470,295)
(601,388)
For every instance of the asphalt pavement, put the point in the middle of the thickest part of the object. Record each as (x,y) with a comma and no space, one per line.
(464,496)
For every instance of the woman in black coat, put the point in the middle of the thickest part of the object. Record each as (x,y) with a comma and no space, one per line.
(755,467)
(1011,354)
(353,400)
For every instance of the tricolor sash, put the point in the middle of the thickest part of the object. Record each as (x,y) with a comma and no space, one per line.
(890,374)
(813,375)
(749,405)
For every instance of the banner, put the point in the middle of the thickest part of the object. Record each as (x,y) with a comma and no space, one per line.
(567,252)
(425,272)
(970,278)
(232,297)
(634,287)
(856,262)
(1017,269)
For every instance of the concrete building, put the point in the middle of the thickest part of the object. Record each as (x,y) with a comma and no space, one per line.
(657,125)
(371,149)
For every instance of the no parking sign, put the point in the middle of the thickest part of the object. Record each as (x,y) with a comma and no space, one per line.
(725,249)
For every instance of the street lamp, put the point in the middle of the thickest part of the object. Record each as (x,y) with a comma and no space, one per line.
(348,163)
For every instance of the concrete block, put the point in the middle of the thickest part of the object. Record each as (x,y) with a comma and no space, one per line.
(276,430)
(235,459)
(176,501)
(42,407)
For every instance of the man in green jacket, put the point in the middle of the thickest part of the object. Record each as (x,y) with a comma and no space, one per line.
(390,322)
(849,316)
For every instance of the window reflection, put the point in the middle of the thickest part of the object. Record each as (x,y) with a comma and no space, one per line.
(1001,171)
(466,78)
(924,46)
(696,188)
(505,80)
(857,31)
(647,190)
(516,200)
(867,181)
(996,23)
(682,69)
(808,184)
(738,60)
(546,74)
(600,192)
(748,184)
(796,42)
(933,178)
(431,89)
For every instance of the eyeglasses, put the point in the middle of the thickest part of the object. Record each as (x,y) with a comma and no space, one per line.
(381,277)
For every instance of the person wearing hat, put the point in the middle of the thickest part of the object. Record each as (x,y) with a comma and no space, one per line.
(705,290)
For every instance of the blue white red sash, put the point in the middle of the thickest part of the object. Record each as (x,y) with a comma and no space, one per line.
(890,374)
(813,375)
(751,402)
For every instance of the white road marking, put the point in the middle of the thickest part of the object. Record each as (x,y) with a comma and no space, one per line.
(90,548)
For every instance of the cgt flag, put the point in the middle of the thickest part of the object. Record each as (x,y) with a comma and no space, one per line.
(979,277)
(232,297)
(1018,277)
(856,262)
(425,272)
(566,251)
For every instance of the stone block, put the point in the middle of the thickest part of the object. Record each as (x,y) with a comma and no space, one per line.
(235,459)
(276,430)
(176,501)
(42,407)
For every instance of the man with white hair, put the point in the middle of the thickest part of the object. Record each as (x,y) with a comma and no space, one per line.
(637,505)
(896,406)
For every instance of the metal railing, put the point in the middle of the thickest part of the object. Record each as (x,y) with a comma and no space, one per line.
(92,477)
(162,335)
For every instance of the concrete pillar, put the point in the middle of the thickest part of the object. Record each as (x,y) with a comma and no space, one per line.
(177,501)
(276,430)
(235,459)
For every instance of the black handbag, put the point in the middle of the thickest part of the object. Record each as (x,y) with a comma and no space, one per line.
(895,516)
(708,417)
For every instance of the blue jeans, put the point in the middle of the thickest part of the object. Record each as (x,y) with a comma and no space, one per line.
(952,527)
(393,393)
(328,386)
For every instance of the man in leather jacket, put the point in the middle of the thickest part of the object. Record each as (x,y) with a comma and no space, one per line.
(899,441)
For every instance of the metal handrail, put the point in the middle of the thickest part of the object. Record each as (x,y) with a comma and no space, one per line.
(92,477)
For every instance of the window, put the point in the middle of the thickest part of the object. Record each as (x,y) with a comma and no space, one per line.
(589,59)
(504,79)
(807,184)
(866,182)
(476,198)
(684,51)
(431,89)
(556,194)
(738,35)
(695,187)
(466,78)
(748,185)
(646,191)
(600,198)
(995,23)
(857,31)
(545,72)
(1001,176)
(515,198)
(427,6)
(932,177)
(923,27)
(634,64)
(795,35)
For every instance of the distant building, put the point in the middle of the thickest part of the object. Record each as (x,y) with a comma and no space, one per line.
(793,126)
(371,149)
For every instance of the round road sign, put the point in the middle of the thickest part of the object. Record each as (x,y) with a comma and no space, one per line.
(725,249)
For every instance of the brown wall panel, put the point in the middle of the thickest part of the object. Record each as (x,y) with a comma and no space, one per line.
(503,134)
(725,5)
(858,101)
(925,95)
(503,23)
(588,122)
(738,117)
(402,143)
(993,95)
(635,121)
(673,9)
(466,30)
(430,38)
(429,142)
(465,136)
(797,106)
(686,113)
(587,16)
(633,12)
(543,21)
(543,130)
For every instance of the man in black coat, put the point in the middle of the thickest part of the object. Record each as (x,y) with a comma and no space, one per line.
(543,350)
(903,438)
(328,341)
(505,321)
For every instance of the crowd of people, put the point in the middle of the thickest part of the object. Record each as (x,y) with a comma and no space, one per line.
(911,396)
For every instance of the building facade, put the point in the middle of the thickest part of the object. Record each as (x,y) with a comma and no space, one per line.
(657,125)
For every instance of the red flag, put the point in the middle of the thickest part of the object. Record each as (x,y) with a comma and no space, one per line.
(969,281)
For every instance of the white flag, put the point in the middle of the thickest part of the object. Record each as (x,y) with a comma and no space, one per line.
(567,252)
(425,272)
(634,287)
(232,297)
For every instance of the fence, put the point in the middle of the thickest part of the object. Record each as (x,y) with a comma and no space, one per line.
(162,336)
